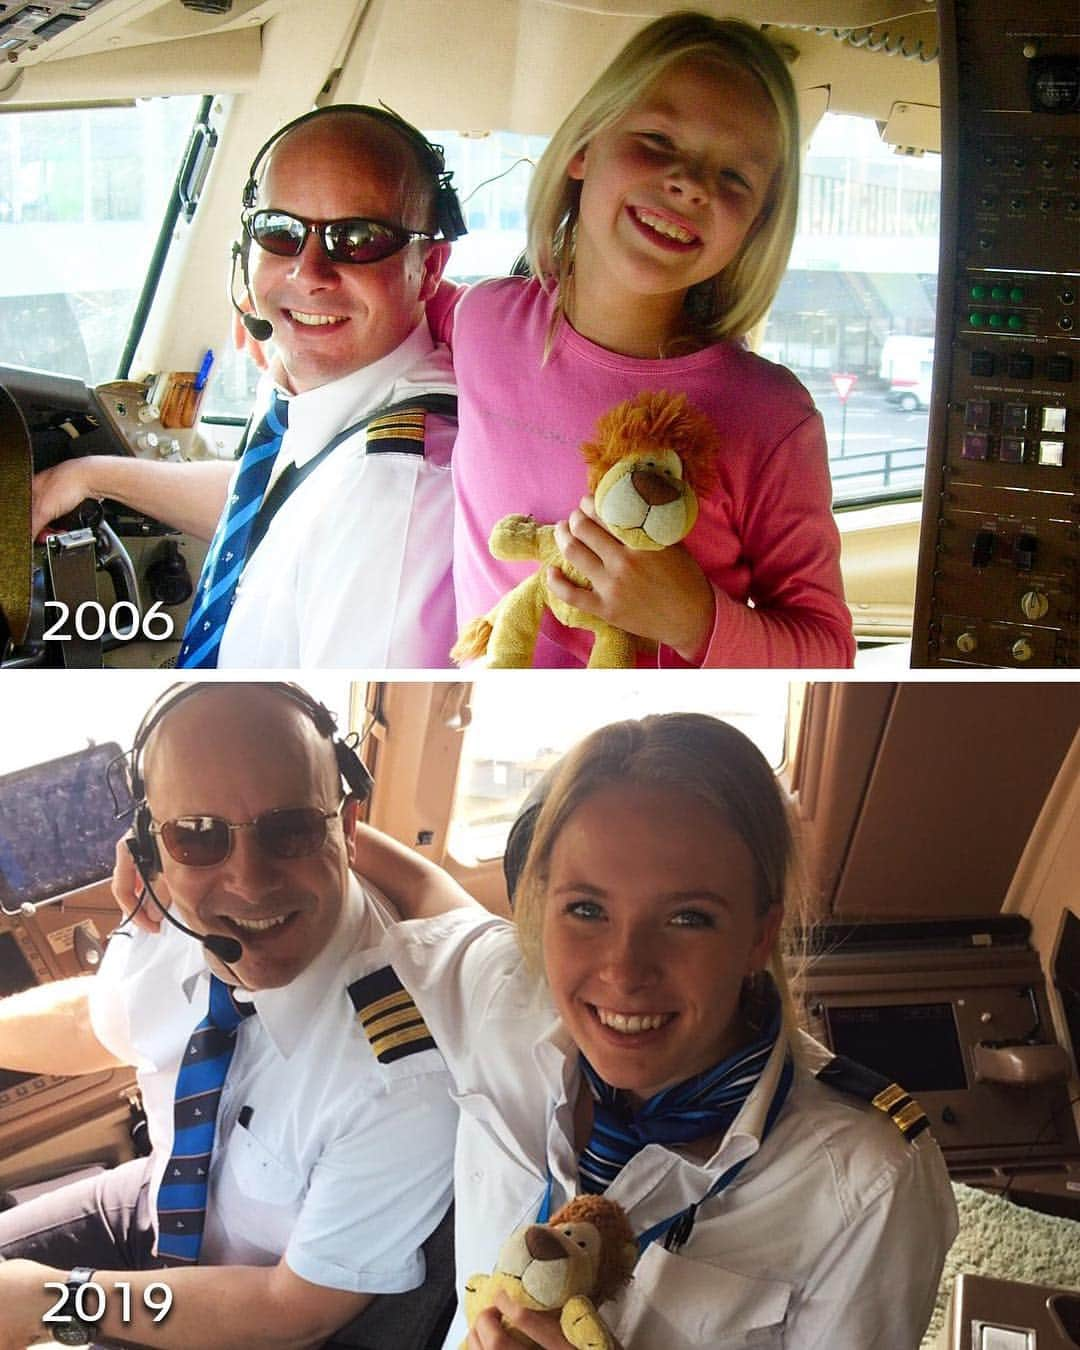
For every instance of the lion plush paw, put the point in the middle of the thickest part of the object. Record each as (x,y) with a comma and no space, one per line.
(581,1324)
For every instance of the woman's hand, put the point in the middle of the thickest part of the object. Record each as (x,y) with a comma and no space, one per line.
(490,1334)
(662,595)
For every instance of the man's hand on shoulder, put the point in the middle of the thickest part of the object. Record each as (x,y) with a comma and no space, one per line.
(23,1301)
(128,887)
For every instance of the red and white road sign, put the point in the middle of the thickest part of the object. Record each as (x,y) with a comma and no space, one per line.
(844,384)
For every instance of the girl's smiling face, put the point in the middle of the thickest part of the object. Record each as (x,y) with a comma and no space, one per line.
(672,189)
(649,929)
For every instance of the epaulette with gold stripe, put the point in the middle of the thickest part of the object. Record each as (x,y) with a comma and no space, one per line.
(391,1020)
(399,433)
(845,1075)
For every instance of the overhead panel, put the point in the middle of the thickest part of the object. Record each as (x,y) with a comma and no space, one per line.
(33,24)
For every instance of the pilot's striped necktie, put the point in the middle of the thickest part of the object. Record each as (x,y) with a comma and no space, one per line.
(181,1202)
(228,549)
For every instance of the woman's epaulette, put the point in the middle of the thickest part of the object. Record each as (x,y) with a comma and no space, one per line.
(845,1075)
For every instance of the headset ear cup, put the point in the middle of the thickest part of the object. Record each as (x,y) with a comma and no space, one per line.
(145,851)
(450,218)
(354,771)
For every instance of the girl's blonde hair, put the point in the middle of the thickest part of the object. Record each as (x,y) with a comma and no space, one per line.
(731,303)
(696,754)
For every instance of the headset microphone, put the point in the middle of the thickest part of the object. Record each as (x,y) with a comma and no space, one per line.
(226,949)
(262,330)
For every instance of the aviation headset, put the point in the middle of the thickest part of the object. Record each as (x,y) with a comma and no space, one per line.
(449,218)
(143,845)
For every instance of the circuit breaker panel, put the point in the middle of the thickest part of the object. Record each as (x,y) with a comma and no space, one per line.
(1000,544)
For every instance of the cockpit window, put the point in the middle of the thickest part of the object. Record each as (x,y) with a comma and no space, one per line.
(506,751)
(854,317)
(82,195)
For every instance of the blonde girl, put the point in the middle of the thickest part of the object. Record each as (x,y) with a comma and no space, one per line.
(661,217)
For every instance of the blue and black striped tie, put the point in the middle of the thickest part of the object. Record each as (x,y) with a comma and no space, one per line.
(228,549)
(181,1203)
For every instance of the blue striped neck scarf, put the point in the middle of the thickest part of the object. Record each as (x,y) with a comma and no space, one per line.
(702,1106)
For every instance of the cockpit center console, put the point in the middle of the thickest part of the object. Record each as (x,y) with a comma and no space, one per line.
(956,1012)
(108,581)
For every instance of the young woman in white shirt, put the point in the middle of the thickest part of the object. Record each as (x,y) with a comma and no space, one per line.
(631,1031)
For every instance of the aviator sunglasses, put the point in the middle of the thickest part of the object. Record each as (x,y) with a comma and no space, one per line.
(353,239)
(284,833)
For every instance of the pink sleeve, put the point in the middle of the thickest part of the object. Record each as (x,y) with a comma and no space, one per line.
(440,311)
(791,542)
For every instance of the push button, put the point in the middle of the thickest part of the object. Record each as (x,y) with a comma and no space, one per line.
(1058,368)
(1053,419)
(1014,416)
(1052,453)
(1024,551)
(977,413)
(982,363)
(1012,450)
(982,550)
(1020,366)
(975,446)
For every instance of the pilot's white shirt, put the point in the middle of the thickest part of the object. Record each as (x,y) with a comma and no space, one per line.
(832,1238)
(355,567)
(345,1163)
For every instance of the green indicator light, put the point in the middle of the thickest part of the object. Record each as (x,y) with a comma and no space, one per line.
(978,292)
(997,320)
(975,319)
(1015,321)
(999,293)
(1016,294)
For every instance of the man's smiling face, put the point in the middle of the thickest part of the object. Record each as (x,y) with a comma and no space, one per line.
(235,752)
(329,318)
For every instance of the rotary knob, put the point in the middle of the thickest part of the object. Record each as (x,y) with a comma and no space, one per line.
(1022,650)
(966,643)
(1034,605)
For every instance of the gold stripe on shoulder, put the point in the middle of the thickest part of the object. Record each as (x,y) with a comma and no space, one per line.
(383,1044)
(910,1116)
(398,999)
(380,1025)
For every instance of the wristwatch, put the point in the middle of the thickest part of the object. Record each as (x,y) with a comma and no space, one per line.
(77,1330)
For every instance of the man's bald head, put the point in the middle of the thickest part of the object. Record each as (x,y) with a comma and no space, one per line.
(338,131)
(240,753)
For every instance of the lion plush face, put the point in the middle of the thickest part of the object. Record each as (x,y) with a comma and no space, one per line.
(644,501)
(553,1264)
(650,458)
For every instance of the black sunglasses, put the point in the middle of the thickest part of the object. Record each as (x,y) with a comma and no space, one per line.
(206,841)
(355,239)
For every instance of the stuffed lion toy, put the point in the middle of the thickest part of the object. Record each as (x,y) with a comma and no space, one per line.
(583,1255)
(651,457)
